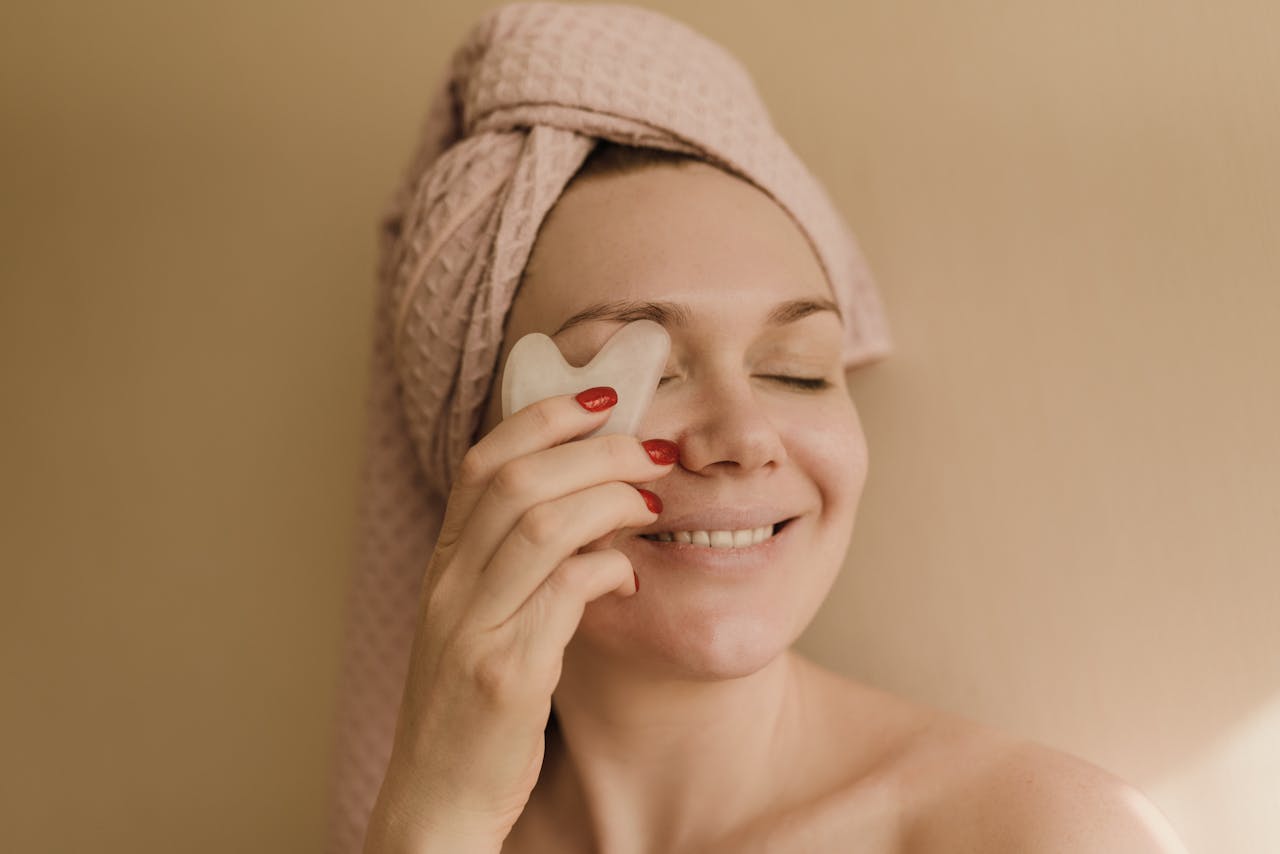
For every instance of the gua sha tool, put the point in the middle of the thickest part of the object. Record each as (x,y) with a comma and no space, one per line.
(631,361)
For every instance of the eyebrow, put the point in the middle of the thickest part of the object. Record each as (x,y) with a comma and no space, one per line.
(678,314)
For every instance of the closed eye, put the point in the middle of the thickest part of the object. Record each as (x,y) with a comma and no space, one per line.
(807,383)
(815,384)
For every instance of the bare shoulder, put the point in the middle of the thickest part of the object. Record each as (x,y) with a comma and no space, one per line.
(1011,795)
(928,781)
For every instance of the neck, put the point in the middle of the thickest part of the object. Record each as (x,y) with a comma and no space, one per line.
(651,762)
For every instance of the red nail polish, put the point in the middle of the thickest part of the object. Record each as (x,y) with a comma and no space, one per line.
(637,578)
(597,399)
(653,502)
(662,451)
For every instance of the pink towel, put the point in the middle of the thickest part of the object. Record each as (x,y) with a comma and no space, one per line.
(526,96)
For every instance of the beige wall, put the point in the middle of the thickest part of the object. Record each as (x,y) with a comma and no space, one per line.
(1070,526)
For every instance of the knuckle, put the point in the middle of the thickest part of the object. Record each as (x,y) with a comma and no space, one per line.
(567,583)
(541,415)
(496,678)
(572,575)
(621,449)
(474,466)
(513,479)
(488,667)
(541,524)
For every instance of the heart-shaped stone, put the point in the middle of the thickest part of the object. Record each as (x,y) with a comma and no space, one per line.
(631,362)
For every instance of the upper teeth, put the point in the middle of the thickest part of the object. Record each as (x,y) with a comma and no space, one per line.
(716,539)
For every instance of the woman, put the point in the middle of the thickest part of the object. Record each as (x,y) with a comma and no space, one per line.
(680,719)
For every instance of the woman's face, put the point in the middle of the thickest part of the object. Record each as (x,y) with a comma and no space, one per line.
(750,442)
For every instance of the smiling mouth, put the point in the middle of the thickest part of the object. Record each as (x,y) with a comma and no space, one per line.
(720,539)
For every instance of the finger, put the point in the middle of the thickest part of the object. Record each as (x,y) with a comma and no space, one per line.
(552,614)
(539,425)
(545,476)
(546,536)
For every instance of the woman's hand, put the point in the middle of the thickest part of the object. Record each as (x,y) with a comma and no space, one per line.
(502,596)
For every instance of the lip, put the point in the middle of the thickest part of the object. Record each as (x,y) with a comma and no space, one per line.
(731,560)
(737,518)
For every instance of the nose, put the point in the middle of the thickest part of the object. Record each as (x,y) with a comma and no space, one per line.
(725,424)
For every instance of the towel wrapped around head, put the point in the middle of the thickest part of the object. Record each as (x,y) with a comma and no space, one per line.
(528,94)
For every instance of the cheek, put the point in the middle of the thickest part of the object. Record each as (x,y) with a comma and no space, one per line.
(828,445)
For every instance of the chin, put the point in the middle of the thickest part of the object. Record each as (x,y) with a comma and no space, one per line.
(687,643)
(721,622)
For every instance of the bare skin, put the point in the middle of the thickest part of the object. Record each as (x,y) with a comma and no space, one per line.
(687,722)
(901,779)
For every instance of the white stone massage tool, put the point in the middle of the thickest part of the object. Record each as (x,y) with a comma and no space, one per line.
(631,362)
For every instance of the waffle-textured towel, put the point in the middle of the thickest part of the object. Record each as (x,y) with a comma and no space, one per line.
(525,98)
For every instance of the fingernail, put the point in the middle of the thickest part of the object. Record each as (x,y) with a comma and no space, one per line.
(596,399)
(652,501)
(661,451)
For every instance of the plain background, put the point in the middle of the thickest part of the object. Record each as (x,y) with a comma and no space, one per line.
(1070,528)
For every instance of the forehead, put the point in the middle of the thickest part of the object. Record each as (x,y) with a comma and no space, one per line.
(691,234)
